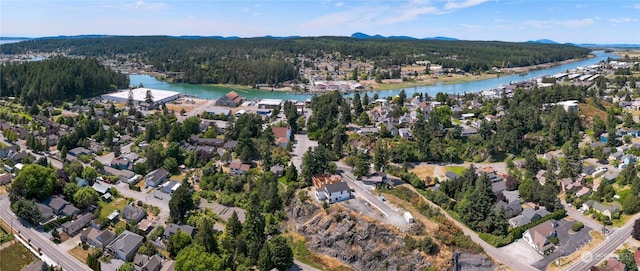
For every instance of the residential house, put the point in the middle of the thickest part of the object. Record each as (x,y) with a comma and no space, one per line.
(511,209)
(45,211)
(145,225)
(79,151)
(238,168)
(369,131)
(201,141)
(609,176)
(231,99)
(498,187)
(608,211)
(538,237)
(583,192)
(281,135)
(170,187)
(5,178)
(119,163)
(156,177)
(468,131)
(277,170)
(100,188)
(334,192)
(598,144)
(613,264)
(527,216)
(122,174)
(81,182)
(405,133)
(72,227)
(133,214)
(626,160)
(616,156)
(147,263)
(172,228)
(125,245)
(69,210)
(451,175)
(374,179)
(57,204)
(96,238)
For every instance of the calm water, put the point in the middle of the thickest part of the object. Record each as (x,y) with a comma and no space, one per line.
(214,92)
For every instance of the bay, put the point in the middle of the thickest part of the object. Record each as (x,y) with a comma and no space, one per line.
(214,92)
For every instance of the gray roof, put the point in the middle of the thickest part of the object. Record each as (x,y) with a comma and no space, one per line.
(336,187)
(157,174)
(172,228)
(452,175)
(132,213)
(69,209)
(126,243)
(57,203)
(499,186)
(75,225)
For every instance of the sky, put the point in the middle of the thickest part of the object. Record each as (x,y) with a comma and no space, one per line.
(583,21)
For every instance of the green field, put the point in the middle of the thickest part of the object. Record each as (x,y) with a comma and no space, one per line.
(457,169)
(15,257)
(109,207)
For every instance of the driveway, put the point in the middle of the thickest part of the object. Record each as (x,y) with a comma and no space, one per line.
(521,250)
(569,242)
(302,144)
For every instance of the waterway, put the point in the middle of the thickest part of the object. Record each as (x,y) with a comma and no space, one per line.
(214,92)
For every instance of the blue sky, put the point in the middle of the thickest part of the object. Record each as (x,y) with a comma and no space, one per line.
(584,21)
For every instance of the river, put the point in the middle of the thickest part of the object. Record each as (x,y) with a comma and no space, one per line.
(214,92)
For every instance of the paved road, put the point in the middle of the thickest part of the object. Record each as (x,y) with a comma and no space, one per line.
(299,266)
(609,245)
(62,258)
(587,221)
(375,200)
(496,254)
(300,148)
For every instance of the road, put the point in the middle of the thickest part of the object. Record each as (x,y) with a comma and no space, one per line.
(300,148)
(299,266)
(493,252)
(572,212)
(609,245)
(62,258)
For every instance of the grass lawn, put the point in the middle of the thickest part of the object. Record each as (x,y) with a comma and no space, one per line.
(620,222)
(423,171)
(109,207)
(80,253)
(457,169)
(15,257)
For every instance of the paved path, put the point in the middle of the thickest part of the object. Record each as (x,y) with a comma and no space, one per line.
(607,247)
(157,199)
(575,214)
(48,249)
(300,148)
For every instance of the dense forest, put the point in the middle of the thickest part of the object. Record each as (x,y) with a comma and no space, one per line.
(266,60)
(58,79)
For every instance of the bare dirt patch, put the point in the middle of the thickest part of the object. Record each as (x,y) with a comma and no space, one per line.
(423,171)
(187,104)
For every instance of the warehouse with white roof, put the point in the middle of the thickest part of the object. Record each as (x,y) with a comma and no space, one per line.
(140,95)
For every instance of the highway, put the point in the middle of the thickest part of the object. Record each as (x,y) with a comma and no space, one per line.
(602,251)
(62,258)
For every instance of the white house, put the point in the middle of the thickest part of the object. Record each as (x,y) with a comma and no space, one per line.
(538,237)
(334,192)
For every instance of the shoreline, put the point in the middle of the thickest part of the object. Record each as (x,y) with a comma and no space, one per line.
(384,86)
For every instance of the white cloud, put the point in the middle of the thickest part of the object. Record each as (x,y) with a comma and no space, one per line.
(554,23)
(339,4)
(621,20)
(636,6)
(451,5)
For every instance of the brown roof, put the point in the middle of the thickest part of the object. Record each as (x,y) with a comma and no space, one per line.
(613,265)
(232,95)
(235,165)
(322,180)
(541,233)
(636,256)
(279,132)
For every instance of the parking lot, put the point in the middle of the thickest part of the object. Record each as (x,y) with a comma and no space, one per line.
(569,242)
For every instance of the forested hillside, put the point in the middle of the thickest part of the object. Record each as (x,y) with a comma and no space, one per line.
(58,79)
(265,60)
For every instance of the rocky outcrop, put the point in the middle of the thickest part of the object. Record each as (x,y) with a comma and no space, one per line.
(468,261)
(361,244)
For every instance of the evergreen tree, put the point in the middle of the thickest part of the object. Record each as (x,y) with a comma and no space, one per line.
(264,259)
(253,227)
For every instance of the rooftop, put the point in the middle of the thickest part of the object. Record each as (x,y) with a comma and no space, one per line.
(139,94)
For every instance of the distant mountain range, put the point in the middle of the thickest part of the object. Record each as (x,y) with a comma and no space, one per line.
(357,35)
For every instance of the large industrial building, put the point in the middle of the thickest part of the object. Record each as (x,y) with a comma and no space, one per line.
(140,95)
